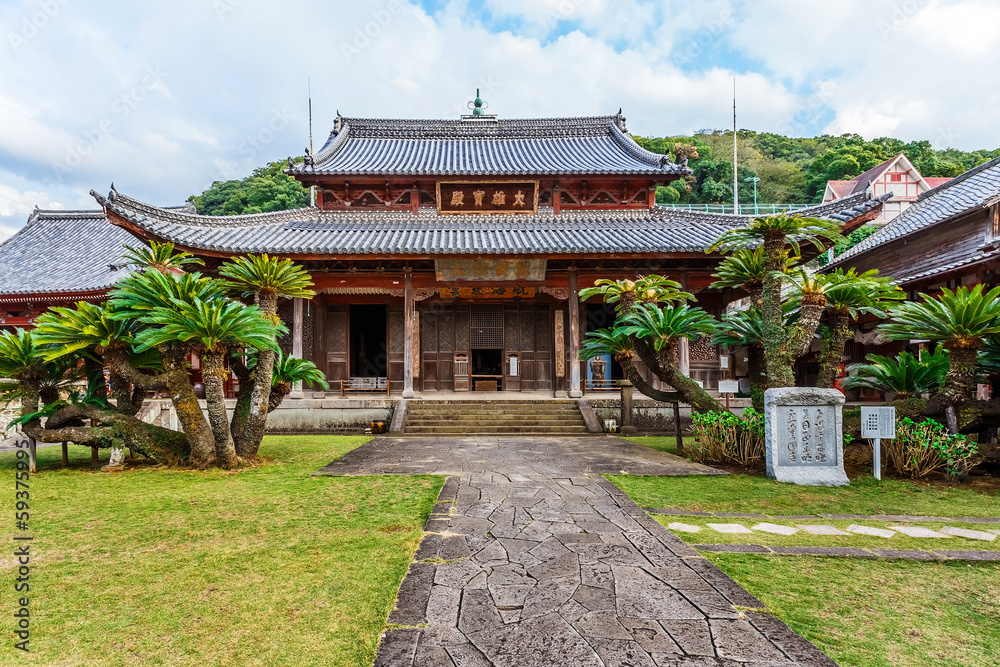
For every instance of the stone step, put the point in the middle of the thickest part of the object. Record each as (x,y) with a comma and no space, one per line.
(493,414)
(499,430)
(495,423)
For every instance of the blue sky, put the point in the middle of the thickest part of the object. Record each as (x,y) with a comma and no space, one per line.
(165,96)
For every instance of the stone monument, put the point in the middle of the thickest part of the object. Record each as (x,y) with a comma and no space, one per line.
(803,436)
(117,460)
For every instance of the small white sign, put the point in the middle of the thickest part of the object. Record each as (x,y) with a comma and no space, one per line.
(729,386)
(878,422)
(724,362)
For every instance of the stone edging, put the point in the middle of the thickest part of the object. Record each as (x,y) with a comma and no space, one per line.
(810,517)
(857,552)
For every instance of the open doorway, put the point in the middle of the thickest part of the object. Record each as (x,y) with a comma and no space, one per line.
(368,341)
(602,316)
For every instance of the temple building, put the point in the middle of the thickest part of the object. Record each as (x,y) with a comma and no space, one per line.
(448,254)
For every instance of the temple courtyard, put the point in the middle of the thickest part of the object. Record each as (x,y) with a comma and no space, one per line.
(499,551)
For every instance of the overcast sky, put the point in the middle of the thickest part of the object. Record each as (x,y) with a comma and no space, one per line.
(164,97)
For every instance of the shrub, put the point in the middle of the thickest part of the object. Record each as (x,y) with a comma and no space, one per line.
(722,437)
(925,447)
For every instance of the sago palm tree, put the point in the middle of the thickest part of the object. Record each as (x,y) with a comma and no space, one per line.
(22,361)
(961,320)
(905,375)
(780,237)
(744,269)
(848,295)
(211,328)
(159,256)
(656,332)
(287,371)
(136,298)
(644,289)
(267,279)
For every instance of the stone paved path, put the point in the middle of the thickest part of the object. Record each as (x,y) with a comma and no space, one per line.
(529,559)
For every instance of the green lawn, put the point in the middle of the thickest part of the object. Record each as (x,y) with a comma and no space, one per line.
(265,566)
(875,613)
(759,495)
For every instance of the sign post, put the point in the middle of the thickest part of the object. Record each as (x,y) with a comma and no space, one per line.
(877,423)
(728,387)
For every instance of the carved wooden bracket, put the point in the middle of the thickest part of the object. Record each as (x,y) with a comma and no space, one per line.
(561,293)
(422,293)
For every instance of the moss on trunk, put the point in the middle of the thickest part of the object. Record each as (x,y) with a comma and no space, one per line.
(215,397)
(833,348)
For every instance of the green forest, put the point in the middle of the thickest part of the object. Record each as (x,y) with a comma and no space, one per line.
(791,170)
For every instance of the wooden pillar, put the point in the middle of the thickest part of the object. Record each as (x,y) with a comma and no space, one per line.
(297,322)
(65,455)
(574,337)
(408,312)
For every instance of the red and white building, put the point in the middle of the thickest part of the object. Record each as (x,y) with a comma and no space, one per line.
(897,176)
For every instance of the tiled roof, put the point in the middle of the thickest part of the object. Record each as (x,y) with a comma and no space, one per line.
(862,182)
(59,252)
(934,181)
(841,189)
(309,231)
(485,146)
(976,188)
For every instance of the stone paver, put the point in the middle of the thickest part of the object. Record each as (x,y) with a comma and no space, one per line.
(868,530)
(530,560)
(820,529)
(918,531)
(730,528)
(775,529)
(688,528)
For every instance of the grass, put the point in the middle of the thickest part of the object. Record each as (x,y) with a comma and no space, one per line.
(875,613)
(804,539)
(265,566)
(663,443)
(759,495)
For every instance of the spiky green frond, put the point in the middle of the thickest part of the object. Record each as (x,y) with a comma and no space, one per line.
(860,293)
(289,370)
(794,229)
(963,318)
(159,256)
(904,375)
(744,268)
(20,358)
(139,294)
(211,325)
(606,341)
(87,327)
(248,275)
(666,325)
(801,283)
(644,289)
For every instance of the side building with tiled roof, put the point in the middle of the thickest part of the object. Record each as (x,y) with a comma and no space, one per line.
(949,237)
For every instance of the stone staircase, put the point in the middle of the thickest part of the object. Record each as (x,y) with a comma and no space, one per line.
(494,417)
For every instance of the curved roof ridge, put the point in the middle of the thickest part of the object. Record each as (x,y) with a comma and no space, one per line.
(117,201)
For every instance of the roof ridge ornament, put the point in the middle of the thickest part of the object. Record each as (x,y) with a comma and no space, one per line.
(338,123)
(620,121)
(478,106)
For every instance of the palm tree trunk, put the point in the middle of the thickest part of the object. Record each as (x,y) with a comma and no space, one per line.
(779,372)
(249,437)
(646,389)
(192,419)
(833,349)
(810,312)
(960,384)
(663,367)
(215,397)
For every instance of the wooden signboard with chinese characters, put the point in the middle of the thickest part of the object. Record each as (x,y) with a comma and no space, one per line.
(487,292)
(489,270)
(486,197)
